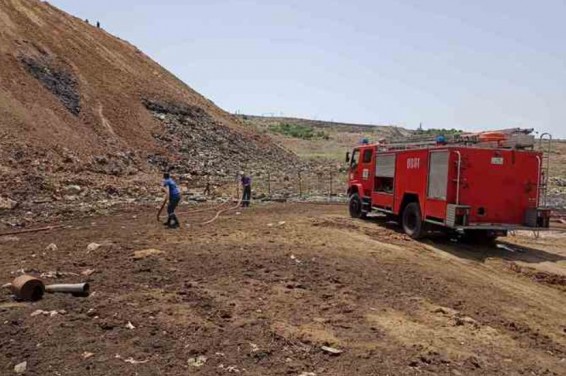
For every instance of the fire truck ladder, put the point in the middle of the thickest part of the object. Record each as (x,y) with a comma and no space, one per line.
(545,145)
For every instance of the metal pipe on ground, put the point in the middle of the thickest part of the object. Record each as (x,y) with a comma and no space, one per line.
(76,289)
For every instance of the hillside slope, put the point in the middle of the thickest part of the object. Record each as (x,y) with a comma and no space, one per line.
(80,106)
(319,139)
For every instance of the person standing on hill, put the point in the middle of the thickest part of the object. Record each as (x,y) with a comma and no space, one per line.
(247,190)
(173,198)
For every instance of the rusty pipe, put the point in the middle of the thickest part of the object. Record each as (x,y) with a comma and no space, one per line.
(77,289)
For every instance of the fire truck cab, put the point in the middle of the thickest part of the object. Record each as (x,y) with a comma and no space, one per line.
(481,190)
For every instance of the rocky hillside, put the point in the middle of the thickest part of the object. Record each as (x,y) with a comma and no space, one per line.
(80,107)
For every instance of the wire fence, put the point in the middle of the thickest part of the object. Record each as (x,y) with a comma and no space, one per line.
(321,184)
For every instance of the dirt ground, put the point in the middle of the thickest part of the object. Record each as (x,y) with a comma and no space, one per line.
(260,293)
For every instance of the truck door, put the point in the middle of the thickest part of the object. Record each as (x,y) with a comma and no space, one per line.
(355,167)
(437,189)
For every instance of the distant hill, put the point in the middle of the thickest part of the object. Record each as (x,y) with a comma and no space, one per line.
(316,139)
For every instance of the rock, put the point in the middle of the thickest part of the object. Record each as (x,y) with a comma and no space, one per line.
(130,326)
(88,272)
(331,350)
(446,311)
(51,247)
(92,247)
(21,368)
(87,355)
(197,362)
(144,253)
(7,203)
(73,189)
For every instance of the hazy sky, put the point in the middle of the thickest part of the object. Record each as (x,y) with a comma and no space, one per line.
(447,63)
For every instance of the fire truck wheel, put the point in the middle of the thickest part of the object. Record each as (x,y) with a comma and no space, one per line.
(356,207)
(412,221)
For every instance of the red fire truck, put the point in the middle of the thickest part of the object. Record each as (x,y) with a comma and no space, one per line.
(480,185)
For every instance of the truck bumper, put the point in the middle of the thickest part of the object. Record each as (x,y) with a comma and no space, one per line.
(536,219)
(498,228)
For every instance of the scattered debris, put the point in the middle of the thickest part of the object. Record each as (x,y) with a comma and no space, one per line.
(255,348)
(130,326)
(506,247)
(197,362)
(87,355)
(92,247)
(73,189)
(307,374)
(51,247)
(331,350)
(131,360)
(76,289)
(88,272)
(293,257)
(270,225)
(229,369)
(446,311)
(21,368)
(281,223)
(138,255)
(27,288)
(48,228)
(465,320)
(46,313)
(57,274)
(7,203)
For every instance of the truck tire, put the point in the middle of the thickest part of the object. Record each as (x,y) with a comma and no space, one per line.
(412,221)
(355,207)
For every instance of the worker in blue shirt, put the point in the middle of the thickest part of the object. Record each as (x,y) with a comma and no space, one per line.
(173,197)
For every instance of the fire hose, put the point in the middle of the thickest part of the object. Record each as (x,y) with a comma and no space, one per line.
(218,213)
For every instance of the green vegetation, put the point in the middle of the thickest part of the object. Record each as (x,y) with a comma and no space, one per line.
(303,132)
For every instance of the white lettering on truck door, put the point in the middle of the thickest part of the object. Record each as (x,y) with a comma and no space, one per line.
(413,163)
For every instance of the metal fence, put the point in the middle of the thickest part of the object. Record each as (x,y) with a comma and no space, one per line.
(298,184)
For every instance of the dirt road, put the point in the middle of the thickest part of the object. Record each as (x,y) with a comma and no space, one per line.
(261,292)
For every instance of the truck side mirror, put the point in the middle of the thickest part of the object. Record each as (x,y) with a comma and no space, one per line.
(347,157)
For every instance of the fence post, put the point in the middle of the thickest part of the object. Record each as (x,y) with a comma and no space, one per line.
(238,187)
(330,190)
(300,185)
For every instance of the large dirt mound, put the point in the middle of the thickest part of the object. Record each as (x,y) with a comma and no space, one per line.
(80,106)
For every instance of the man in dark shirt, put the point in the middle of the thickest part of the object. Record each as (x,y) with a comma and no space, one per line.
(247,190)
(173,197)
